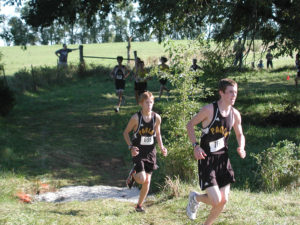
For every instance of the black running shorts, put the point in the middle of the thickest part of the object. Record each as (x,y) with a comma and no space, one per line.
(140,166)
(120,84)
(215,170)
(141,87)
(163,81)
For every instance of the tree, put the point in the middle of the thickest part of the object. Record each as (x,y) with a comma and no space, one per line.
(276,22)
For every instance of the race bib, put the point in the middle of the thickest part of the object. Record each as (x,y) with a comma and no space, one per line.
(217,145)
(147,140)
(119,77)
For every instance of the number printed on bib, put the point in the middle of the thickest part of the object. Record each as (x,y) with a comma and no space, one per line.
(147,140)
(119,77)
(217,145)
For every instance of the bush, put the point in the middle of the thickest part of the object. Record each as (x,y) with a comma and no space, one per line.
(7,99)
(180,161)
(279,166)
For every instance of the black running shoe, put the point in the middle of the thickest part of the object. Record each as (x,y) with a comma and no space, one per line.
(130,180)
(139,208)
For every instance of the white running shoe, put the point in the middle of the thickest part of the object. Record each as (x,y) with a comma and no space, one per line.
(192,207)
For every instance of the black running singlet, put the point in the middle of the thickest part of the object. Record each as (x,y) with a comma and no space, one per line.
(119,72)
(214,138)
(145,138)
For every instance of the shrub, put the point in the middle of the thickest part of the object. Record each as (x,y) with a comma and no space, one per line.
(279,166)
(180,161)
(7,99)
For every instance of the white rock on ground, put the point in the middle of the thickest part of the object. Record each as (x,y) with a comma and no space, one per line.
(86,193)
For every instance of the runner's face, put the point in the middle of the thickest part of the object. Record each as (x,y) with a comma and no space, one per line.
(147,105)
(230,94)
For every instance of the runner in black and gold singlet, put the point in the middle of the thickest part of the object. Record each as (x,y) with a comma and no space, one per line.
(145,126)
(214,168)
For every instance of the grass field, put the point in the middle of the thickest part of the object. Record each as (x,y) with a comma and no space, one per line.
(69,135)
(14,58)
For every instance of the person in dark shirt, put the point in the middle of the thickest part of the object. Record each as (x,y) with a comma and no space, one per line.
(119,74)
(62,55)
(194,68)
(145,126)
(214,167)
(297,62)
(269,58)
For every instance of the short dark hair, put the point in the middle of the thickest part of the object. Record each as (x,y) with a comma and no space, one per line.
(224,83)
(164,59)
(120,58)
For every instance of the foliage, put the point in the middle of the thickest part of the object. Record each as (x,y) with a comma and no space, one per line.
(180,159)
(279,165)
(41,77)
(215,64)
(7,98)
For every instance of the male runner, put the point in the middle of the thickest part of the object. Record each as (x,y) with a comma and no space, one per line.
(146,128)
(119,74)
(215,171)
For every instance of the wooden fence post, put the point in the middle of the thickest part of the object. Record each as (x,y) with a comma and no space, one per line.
(81,54)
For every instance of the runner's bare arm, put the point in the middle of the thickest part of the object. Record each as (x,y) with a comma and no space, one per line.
(201,117)
(237,126)
(131,126)
(158,136)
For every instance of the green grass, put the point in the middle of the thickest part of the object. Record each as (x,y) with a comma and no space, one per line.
(14,58)
(69,135)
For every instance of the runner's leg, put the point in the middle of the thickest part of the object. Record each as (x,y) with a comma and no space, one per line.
(218,199)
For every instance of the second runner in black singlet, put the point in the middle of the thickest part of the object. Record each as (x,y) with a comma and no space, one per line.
(216,169)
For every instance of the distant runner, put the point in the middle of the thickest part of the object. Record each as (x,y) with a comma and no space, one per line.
(163,68)
(119,74)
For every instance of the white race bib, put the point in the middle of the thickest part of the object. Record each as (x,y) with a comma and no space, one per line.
(119,77)
(147,140)
(217,145)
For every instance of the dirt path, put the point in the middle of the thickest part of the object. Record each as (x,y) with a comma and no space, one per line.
(86,193)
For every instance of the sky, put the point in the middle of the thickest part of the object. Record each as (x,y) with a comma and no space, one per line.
(8,11)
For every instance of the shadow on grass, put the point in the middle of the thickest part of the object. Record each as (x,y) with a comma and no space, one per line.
(68,133)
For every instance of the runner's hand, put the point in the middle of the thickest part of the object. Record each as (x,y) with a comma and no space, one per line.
(134,151)
(199,153)
(164,151)
(241,152)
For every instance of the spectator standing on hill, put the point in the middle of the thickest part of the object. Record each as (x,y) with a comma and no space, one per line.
(297,62)
(194,67)
(214,168)
(119,74)
(62,55)
(145,126)
(269,58)
(163,68)
(140,77)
